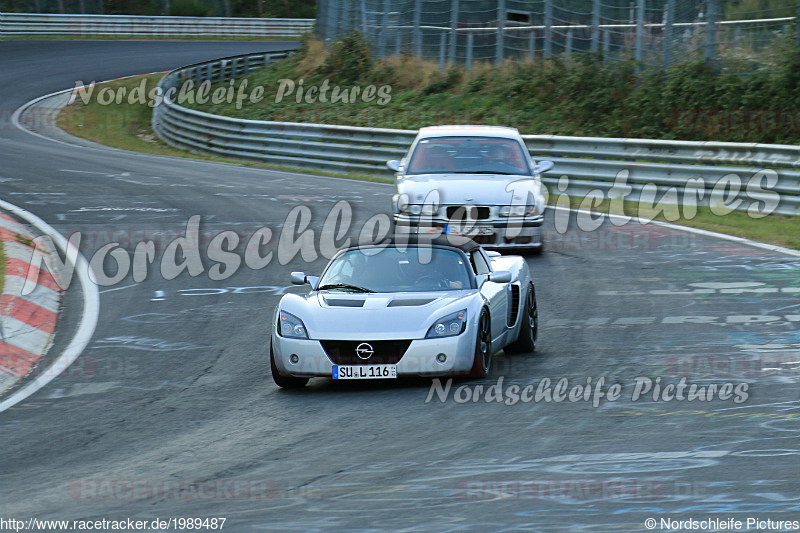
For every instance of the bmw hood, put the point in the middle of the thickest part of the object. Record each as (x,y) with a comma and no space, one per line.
(335,315)
(458,189)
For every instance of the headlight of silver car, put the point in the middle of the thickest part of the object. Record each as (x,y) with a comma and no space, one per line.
(429,209)
(290,326)
(518,210)
(412,209)
(448,326)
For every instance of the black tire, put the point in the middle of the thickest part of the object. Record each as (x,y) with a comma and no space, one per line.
(482,359)
(529,326)
(286,382)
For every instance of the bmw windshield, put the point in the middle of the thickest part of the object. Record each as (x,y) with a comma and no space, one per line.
(396,270)
(468,155)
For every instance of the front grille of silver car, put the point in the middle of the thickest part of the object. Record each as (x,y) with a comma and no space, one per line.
(475,212)
(485,239)
(383,352)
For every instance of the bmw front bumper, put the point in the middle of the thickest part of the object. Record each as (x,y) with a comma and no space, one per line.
(507,233)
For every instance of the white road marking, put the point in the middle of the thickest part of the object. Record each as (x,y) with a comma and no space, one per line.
(118,288)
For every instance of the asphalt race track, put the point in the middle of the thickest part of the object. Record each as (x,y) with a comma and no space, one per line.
(171,411)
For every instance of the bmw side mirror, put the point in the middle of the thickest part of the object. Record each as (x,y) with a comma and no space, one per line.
(394,165)
(501,276)
(544,166)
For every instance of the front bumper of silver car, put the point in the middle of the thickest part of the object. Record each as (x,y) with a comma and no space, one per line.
(511,232)
(423,357)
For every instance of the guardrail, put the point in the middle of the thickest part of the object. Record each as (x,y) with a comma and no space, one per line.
(590,163)
(123,25)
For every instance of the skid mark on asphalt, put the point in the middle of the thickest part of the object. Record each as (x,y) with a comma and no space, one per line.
(144,343)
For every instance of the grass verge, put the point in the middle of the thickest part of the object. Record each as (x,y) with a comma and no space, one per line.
(128,127)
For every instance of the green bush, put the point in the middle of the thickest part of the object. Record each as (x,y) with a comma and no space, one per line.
(349,59)
(187,8)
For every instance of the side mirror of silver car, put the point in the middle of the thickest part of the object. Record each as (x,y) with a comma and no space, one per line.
(299,278)
(501,276)
(394,165)
(543,166)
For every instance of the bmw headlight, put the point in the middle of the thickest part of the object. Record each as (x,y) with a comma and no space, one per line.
(290,326)
(448,326)
(429,210)
(413,209)
(518,210)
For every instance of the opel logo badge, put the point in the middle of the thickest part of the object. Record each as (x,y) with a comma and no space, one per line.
(364,350)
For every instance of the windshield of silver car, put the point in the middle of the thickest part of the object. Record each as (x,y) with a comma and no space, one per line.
(393,269)
(468,155)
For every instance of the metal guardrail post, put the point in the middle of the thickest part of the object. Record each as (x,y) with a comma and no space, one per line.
(382,31)
(639,31)
(453,33)
(417,35)
(669,16)
(568,46)
(470,39)
(330,22)
(532,45)
(442,50)
(500,44)
(797,27)
(364,30)
(711,30)
(341,19)
(548,30)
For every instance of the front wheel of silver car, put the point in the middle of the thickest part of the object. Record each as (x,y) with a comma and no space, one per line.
(529,326)
(482,360)
(286,382)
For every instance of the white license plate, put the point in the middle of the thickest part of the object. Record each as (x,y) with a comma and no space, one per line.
(466,230)
(364,371)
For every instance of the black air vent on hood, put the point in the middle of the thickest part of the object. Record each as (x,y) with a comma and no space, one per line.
(410,302)
(339,302)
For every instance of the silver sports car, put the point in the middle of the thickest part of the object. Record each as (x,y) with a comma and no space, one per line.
(432,308)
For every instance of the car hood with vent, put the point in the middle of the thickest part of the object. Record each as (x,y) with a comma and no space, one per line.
(340,315)
(477,189)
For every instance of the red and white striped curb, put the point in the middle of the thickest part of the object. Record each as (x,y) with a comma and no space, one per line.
(27,323)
